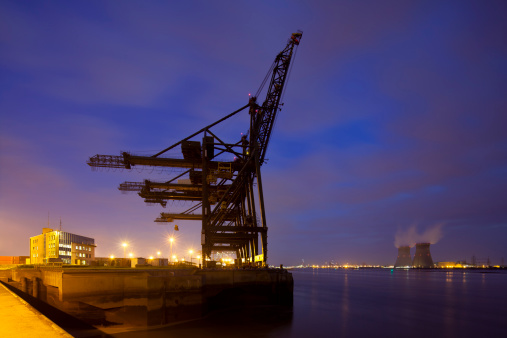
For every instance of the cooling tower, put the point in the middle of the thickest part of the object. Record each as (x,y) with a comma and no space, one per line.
(404,258)
(422,256)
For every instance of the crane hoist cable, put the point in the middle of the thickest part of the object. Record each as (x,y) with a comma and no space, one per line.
(268,74)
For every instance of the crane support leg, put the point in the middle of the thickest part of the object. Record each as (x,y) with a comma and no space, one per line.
(206,253)
(264,236)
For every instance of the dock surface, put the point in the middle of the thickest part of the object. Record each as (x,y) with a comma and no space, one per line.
(20,319)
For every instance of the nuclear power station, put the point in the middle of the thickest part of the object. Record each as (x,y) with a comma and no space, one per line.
(404,258)
(422,256)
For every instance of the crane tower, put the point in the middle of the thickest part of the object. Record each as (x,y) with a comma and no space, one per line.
(224,191)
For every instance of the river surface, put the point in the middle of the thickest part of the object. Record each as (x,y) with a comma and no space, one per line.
(367,303)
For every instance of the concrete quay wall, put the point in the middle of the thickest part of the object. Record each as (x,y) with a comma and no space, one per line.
(144,297)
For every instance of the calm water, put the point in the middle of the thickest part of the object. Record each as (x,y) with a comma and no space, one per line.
(368,303)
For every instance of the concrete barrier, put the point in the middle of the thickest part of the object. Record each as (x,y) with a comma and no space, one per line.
(144,297)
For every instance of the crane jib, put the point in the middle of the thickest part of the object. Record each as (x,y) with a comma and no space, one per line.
(227,190)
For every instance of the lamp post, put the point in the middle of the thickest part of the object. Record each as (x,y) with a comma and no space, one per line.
(131,255)
(124,245)
(171,240)
(199,260)
(190,252)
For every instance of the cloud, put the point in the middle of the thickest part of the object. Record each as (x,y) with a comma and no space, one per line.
(394,113)
(410,236)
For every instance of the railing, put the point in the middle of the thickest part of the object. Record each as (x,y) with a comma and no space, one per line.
(43,266)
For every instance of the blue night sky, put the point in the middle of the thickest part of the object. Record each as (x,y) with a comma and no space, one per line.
(394,123)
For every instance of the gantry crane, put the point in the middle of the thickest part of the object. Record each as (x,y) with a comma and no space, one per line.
(224,191)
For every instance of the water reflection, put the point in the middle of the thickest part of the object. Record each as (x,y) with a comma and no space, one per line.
(368,303)
(345,304)
(448,276)
(448,313)
(232,323)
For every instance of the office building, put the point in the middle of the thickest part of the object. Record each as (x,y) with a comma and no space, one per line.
(60,246)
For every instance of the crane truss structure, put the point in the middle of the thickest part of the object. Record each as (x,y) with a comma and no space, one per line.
(223,191)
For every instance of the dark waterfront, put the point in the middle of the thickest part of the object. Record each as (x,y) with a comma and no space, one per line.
(368,303)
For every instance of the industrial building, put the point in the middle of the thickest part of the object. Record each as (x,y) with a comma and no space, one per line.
(422,256)
(60,246)
(12,260)
(404,259)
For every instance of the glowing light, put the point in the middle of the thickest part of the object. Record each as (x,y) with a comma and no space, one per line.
(151,257)
(112,256)
(124,245)
(131,255)
(158,253)
(171,240)
(174,257)
(190,251)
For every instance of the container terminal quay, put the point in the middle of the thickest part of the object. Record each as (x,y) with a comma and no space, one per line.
(219,174)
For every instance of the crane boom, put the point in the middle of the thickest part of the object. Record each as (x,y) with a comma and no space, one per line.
(223,190)
(263,118)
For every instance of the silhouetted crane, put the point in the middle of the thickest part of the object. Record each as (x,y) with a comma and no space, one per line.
(232,224)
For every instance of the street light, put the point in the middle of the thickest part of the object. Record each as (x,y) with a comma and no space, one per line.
(158,253)
(190,252)
(199,260)
(131,255)
(124,244)
(171,240)
(112,256)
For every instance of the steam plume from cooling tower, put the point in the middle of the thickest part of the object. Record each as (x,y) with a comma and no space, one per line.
(410,236)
